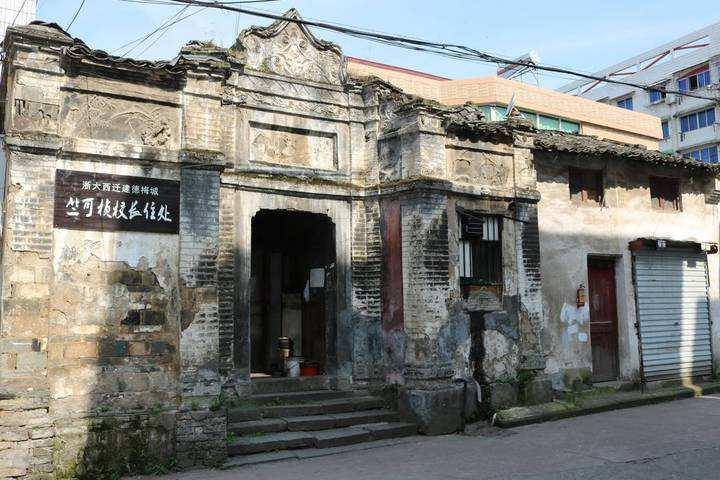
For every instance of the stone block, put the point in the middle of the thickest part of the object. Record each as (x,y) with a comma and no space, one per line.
(138,349)
(538,390)
(31,360)
(13,435)
(435,412)
(502,395)
(8,361)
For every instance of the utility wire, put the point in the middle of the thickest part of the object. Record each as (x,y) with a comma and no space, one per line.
(167,23)
(18,12)
(77,12)
(460,52)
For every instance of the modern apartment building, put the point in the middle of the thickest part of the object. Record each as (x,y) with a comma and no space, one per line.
(547,109)
(16,12)
(689,64)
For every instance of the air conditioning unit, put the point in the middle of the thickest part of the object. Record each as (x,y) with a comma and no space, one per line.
(672,98)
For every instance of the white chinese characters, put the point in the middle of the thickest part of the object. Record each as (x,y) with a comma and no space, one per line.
(92,207)
(119,188)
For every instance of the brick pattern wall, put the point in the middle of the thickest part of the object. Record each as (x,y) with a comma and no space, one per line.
(25,426)
(201,437)
(366,265)
(200,432)
(30,214)
(529,284)
(425,260)
(203,126)
(226,278)
(199,230)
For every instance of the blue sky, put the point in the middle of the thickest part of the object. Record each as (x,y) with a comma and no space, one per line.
(582,35)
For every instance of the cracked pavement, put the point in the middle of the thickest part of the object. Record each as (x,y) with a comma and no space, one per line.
(675,440)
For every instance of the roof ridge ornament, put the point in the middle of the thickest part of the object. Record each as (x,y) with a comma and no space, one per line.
(288,48)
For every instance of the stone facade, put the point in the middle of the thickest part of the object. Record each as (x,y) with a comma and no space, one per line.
(109,332)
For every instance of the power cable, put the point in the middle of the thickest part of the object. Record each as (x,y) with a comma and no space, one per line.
(18,12)
(77,12)
(456,51)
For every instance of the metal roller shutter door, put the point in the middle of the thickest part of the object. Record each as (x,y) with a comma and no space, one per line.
(671,288)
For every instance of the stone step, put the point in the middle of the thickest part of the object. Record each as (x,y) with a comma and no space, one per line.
(285,398)
(335,437)
(297,384)
(338,405)
(313,422)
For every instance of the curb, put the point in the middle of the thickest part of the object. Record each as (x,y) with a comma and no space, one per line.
(560,410)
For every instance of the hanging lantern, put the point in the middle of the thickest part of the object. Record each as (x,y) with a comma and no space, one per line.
(580,296)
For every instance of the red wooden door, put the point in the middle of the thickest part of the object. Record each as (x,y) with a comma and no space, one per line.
(603,319)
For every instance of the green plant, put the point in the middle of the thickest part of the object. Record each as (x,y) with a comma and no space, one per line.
(156,410)
(231,437)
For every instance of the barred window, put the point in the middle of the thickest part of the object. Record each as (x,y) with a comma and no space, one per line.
(480,248)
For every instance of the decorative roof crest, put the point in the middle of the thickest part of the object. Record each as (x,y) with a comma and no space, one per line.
(287,48)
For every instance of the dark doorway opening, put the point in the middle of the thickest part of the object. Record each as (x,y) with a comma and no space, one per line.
(292,270)
(603,318)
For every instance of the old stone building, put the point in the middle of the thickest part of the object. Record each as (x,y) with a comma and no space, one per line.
(166,222)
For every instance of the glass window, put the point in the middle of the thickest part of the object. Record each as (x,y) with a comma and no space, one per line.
(500,113)
(530,116)
(704,78)
(707,154)
(665,129)
(702,119)
(570,127)
(548,123)
(656,96)
(693,121)
(626,103)
(694,81)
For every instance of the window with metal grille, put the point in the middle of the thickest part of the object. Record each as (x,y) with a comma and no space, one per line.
(586,186)
(665,193)
(480,248)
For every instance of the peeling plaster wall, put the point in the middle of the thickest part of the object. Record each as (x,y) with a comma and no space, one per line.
(571,232)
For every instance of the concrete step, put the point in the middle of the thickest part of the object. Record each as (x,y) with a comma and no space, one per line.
(338,405)
(285,398)
(331,438)
(313,422)
(283,385)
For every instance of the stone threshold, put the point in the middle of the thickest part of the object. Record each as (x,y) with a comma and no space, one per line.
(589,402)
(302,454)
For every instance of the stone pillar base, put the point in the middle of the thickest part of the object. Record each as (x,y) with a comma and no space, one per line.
(435,411)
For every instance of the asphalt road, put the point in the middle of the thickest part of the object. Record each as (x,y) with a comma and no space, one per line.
(676,440)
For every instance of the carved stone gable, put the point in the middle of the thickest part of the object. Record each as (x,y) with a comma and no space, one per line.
(289,49)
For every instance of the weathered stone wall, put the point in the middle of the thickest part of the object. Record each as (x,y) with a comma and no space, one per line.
(570,232)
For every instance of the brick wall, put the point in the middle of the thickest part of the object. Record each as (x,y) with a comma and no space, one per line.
(25,427)
(530,288)
(199,229)
(201,432)
(425,265)
(226,279)
(366,263)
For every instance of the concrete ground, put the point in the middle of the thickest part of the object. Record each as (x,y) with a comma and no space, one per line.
(675,440)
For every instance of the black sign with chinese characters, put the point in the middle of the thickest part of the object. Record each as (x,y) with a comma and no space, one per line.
(97,201)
